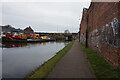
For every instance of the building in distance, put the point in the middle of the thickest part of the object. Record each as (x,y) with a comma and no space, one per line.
(29,30)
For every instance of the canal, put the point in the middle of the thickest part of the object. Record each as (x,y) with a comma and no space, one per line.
(18,60)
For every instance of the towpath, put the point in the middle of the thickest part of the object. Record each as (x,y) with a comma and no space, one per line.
(73,65)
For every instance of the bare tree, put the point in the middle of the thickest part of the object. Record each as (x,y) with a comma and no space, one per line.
(67,31)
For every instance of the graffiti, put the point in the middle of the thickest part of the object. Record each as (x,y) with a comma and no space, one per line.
(115,26)
(108,34)
(82,38)
(95,38)
(111,33)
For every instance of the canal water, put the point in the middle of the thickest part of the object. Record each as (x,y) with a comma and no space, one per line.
(18,60)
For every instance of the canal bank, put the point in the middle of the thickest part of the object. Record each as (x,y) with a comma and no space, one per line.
(47,67)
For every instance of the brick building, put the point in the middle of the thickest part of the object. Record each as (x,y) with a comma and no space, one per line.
(83,23)
(29,30)
(102,25)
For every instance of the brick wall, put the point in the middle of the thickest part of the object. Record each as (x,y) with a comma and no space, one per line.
(83,26)
(104,30)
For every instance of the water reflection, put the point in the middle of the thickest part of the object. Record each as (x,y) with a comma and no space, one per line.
(10,45)
(44,43)
(66,43)
(20,59)
(13,45)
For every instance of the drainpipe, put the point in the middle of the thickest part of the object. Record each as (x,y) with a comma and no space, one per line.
(86,42)
(79,36)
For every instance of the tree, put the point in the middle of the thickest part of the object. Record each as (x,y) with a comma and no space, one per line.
(67,31)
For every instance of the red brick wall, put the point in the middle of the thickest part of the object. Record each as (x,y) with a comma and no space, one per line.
(83,26)
(104,30)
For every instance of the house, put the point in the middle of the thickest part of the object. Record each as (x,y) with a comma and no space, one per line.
(7,28)
(29,30)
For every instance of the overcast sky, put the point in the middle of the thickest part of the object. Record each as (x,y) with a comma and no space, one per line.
(43,16)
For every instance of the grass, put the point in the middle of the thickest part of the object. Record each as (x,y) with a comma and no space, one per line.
(101,68)
(48,66)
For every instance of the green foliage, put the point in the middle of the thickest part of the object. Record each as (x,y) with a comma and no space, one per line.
(48,66)
(101,68)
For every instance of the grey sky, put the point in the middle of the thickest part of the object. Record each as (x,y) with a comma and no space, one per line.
(43,16)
